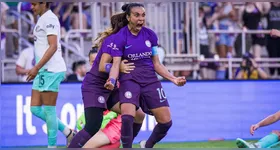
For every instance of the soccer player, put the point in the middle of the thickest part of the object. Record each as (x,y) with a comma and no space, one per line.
(110,133)
(267,141)
(273,138)
(48,72)
(138,45)
(96,97)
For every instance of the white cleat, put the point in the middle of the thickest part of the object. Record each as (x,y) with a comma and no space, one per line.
(243,144)
(142,144)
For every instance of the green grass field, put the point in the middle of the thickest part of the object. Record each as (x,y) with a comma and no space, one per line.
(211,144)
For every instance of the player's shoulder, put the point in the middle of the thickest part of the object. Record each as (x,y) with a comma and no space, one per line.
(149,31)
(50,17)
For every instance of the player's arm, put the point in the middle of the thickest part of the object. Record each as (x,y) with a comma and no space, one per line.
(270,119)
(114,73)
(163,71)
(105,65)
(52,40)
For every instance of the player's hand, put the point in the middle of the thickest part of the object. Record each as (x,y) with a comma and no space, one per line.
(254,128)
(275,33)
(180,81)
(126,67)
(31,74)
(109,85)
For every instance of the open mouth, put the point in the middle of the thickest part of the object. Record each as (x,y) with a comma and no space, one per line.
(139,25)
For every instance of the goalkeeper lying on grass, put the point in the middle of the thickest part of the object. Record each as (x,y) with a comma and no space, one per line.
(109,134)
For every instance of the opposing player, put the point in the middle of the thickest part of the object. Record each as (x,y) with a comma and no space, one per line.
(48,72)
(96,98)
(138,45)
(110,133)
(267,141)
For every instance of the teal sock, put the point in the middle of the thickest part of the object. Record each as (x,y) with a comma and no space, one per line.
(39,112)
(51,120)
(268,140)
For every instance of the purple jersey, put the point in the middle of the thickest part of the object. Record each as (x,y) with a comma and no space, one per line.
(94,76)
(137,49)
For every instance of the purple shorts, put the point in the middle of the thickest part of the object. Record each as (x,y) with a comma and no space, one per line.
(101,98)
(147,97)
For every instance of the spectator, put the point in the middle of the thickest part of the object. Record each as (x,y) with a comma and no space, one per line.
(273,45)
(79,69)
(252,14)
(3,17)
(227,18)
(249,69)
(25,62)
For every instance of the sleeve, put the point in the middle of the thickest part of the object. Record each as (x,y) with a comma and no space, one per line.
(116,46)
(22,59)
(52,26)
(153,38)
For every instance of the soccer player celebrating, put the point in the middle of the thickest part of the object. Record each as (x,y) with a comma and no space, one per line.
(96,97)
(48,72)
(138,45)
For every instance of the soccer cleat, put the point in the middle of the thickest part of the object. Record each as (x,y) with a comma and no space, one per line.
(70,137)
(142,144)
(243,144)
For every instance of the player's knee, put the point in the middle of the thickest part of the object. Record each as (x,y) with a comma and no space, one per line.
(94,117)
(140,116)
(128,109)
(276,132)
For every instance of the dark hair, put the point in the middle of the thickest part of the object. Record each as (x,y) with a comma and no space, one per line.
(93,50)
(118,21)
(48,4)
(127,7)
(77,64)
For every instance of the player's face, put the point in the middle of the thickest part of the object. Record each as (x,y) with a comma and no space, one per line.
(92,58)
(37,8)
(137,18)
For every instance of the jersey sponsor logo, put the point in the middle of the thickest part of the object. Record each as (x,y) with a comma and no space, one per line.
(113,46)
(128,94)
(148,43)
(50,26)
(101,99)
(138,56)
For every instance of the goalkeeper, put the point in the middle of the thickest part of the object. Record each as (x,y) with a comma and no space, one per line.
(109,134)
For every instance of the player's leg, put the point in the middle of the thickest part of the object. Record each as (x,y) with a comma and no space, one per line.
(107,137)
(36,98)
(129,98)
(265,142)
(156,101)
(114,105)
(94,104)
(98,140)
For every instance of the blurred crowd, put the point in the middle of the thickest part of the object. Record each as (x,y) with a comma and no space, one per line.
(230,16)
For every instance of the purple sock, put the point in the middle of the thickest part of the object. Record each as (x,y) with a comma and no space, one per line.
(136,129)
(159,133)
(80,139)
(127,131)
